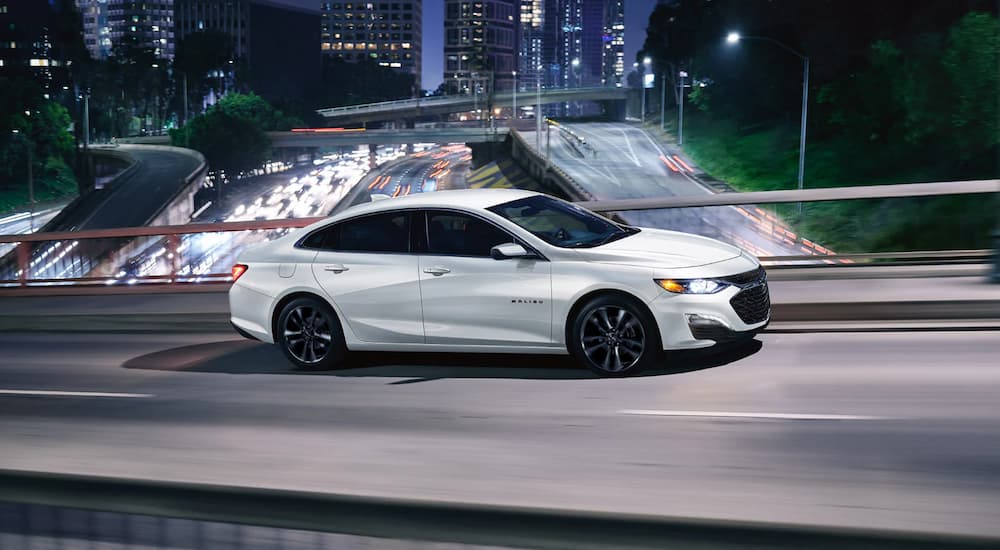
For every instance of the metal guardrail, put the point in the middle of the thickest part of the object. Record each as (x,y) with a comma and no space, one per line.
(889,191)
(413,520)
(166,248)
(443,101)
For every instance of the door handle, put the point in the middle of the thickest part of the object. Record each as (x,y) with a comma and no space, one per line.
(437,270)
(336,268)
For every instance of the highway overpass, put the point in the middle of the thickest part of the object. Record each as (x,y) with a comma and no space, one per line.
(443,105)
(353,137)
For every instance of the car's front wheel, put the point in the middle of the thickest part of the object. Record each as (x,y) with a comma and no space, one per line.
(310,334)
(614,335)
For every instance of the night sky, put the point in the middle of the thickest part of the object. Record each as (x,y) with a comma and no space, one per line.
(636,15)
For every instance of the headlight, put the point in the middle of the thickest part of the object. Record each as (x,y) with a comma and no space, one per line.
(691,286)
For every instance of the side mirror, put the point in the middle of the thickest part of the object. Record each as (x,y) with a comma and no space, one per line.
(508,251)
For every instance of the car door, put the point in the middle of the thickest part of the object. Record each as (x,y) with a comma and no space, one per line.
(365,266)
(468,297)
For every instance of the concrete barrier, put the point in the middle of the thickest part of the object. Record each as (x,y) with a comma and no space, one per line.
(434,521)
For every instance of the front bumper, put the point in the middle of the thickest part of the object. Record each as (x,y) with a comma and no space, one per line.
(690,321)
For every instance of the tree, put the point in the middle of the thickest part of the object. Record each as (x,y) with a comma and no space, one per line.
(254,108)
(231,144)
(972,62)
(30,123)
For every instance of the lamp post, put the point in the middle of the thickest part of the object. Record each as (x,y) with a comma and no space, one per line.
(513,106)
(646,61)
(680,110)
(735,37)
(538,109)
(576,75)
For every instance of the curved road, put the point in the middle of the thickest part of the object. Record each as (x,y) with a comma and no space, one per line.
(622,161)
(882,430)
(136,199)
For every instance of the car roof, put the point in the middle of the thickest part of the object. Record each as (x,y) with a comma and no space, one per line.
(461,198)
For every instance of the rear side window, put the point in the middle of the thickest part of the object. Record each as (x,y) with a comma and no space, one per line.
(455,234)
(388,232)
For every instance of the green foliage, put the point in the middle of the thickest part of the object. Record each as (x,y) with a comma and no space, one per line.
(231,144)
(231,134)
(701,97)
(918,104)
(35,126)
(972,63)
(252,107)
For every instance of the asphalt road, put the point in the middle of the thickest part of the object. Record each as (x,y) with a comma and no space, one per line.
(885,430)
(622,161)
(419,173)
(133,201)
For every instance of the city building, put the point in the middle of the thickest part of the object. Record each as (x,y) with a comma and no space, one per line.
(231,17)
(146,23)
(388,33)
(26,44)
(532,38)
(96,30)
(480,45)
(613,57)
(274,43)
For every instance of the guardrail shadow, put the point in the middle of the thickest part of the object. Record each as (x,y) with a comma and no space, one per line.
(246,357)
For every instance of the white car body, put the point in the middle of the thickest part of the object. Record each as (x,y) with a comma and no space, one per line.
(427,302)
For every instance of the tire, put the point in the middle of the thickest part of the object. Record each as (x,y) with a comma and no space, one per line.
(309,334)
(614,336)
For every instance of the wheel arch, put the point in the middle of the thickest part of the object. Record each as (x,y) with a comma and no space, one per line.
(288,298)
(574,310)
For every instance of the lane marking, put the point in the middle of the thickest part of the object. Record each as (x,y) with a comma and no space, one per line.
(54,393)
(776,416)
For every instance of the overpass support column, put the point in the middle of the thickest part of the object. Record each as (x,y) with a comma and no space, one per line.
(372,156)
(409,124)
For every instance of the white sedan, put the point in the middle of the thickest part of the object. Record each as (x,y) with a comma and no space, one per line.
(495,271)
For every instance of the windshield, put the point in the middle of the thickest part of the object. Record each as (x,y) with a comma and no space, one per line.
(560,223)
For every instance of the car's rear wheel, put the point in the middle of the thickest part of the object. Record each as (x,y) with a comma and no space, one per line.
(310,334)
(614,335)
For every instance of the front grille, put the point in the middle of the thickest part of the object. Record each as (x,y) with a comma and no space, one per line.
(753,305)
(750,277)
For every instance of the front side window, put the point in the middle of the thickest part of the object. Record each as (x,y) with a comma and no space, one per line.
(454,234)
(388,232)
(560,223)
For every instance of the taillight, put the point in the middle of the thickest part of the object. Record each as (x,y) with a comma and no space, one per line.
(238,271)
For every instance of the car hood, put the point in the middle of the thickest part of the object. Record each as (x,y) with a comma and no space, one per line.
(659,248)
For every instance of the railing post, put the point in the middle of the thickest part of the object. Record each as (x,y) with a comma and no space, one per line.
(23,259)
(173,246)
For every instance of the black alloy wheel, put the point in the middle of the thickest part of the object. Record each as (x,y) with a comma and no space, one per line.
(310,334)
(614,336)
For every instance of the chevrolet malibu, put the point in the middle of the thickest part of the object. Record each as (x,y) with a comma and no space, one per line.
(494,271)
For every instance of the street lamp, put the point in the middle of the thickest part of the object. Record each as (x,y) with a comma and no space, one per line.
(646,61)
(513,106)
(734,38)
(538,109)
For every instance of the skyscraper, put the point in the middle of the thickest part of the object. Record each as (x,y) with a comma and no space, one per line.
(613,59)
(96,31)
(274,45)
(388,33)
(26,44)
(231,17)
(532,37)
(480,45)
(144,23)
